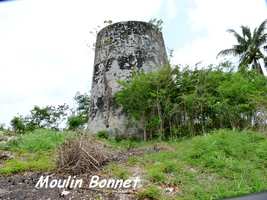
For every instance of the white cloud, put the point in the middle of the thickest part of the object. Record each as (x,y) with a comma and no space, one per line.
(44,54)
(209,21)
(171,9)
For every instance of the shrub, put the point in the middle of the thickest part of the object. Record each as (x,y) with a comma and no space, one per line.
(18,124)
(102,134)
(76,121)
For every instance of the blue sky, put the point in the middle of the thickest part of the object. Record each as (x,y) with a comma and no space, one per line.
(45,58)
(176,28)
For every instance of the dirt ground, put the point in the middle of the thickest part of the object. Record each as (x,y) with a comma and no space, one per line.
(22,186)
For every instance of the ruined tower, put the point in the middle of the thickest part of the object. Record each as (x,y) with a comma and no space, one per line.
(120,48)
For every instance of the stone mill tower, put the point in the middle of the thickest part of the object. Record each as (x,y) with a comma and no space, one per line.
(121,48)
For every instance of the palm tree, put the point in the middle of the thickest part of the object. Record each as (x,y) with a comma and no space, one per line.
(248,46)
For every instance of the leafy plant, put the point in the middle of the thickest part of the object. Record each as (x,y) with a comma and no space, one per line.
(102,134)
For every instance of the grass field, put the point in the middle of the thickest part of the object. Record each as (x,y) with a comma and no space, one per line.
(221,164)
(34,151)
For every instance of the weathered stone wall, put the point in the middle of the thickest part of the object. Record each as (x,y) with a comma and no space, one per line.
(120,48)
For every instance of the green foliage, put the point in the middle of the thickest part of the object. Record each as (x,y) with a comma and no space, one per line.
(79,116)
(76,121)
(18,124)
(141,98)
(248,47)
(151,192)
(40,117)
(102,134)
(83,104)
(173,102)
(46,117)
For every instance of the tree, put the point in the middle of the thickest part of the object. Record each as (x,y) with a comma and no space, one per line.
(145,98)
(2,127)
(46,117)
(248,46)
(80,115)
(75,122)
(173,102)
(83,104)
(18,124)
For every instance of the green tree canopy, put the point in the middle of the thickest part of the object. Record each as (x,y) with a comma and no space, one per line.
(249,46)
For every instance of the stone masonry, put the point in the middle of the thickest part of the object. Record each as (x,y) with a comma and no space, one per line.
(121,48)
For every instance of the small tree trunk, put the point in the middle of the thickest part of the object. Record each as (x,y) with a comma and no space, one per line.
(144,127)
(159,115)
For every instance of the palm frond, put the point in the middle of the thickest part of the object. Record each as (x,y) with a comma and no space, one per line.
(238,37)
(227,52)
(241,48)
(261,28)
(262,40)
(246,32)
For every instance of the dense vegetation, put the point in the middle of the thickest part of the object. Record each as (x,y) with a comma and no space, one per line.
(174,102)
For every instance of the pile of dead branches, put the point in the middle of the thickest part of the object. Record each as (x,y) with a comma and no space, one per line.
(82,155)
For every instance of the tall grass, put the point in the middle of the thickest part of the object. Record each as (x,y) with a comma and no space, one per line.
(34,151)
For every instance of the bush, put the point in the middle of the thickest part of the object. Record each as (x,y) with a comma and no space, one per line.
(102,134)
(76,121)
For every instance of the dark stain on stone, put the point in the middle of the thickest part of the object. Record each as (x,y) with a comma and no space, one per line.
(109,64)
(140,57)
(124,63)
(120,31)
(100,103)
(96,72)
